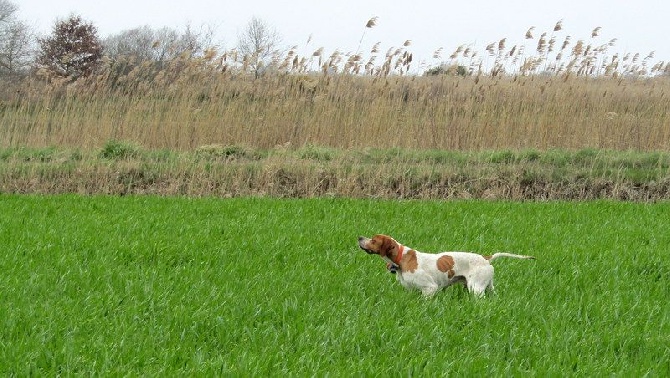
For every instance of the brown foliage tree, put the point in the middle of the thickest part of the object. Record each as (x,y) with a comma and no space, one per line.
(72,50)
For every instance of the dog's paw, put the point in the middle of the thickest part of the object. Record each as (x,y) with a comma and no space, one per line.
(392,268)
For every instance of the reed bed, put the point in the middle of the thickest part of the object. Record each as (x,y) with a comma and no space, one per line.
(551,90)
(343,111)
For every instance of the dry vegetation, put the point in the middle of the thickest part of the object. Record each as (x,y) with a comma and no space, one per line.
(551,91)
(574,97)
(343,111)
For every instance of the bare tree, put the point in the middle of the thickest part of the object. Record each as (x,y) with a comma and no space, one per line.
(137,43)
(147,44)
(257,43)
(72,50)
(16,41)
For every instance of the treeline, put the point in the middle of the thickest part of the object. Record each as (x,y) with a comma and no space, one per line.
(74,49)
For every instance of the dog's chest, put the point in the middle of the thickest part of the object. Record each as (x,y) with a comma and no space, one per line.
(408,280)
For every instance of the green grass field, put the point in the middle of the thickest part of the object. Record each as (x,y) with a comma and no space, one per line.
(182,286)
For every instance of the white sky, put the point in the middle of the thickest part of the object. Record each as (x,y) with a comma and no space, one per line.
(640,26)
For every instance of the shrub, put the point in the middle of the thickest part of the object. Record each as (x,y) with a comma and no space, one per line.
(117,150)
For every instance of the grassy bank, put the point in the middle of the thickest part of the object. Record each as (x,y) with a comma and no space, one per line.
(311,171)
(177,286)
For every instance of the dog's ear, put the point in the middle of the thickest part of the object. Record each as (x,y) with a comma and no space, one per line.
(387,245)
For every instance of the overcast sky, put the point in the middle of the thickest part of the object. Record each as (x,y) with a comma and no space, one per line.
(640,26)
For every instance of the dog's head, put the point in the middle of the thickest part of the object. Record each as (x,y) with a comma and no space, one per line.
(382,245)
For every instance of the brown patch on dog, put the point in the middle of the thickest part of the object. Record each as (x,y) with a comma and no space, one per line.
(409,263)
(445,264)
(487,257)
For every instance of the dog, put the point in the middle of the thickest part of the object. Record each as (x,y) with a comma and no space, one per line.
(430,272)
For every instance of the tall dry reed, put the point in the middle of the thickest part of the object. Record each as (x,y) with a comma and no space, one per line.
(569,94)
(345,111)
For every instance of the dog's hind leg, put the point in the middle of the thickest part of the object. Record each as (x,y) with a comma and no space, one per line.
(477,289)
(481,281)
(430,290)
(490,288)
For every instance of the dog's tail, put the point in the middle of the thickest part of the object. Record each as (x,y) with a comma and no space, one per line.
(505,254)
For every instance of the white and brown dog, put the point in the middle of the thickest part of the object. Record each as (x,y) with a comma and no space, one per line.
(430,272)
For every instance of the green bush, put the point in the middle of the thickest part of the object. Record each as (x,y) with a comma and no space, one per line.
(117,150)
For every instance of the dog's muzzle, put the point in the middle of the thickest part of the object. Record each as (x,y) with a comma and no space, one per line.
(362,241)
